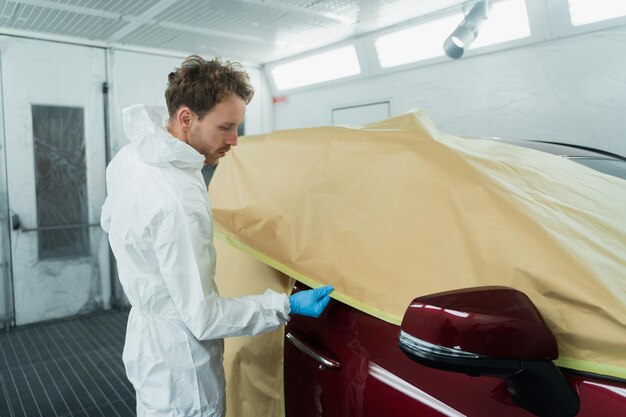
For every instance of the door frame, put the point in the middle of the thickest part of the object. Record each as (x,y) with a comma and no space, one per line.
(6,221)
(6,259)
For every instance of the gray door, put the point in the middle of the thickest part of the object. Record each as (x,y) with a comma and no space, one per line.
(55,153)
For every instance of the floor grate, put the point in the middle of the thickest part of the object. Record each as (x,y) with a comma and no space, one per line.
(71,368)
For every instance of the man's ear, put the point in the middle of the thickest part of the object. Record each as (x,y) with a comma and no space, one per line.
(184,116)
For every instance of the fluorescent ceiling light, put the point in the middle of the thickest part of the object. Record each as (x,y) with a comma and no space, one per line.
(508,20)
(583,12)
(416,43)
(326,66)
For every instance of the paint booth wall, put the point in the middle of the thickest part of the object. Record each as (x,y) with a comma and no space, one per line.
(569,90)
(142,78)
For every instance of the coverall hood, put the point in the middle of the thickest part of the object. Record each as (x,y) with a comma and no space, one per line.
(145,127)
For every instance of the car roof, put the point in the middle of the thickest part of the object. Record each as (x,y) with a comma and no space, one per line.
(563,149)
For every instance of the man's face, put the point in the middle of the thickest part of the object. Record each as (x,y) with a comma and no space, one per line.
(217,131)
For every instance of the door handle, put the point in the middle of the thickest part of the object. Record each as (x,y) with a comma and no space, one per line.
(16,224)
(323,359)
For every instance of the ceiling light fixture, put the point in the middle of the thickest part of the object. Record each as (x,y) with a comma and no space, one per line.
(465,33)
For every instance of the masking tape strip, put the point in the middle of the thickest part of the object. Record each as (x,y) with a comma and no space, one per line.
(592,367)
(576,364)
(390,318)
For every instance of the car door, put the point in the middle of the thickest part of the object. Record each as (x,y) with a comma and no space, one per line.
(347,363)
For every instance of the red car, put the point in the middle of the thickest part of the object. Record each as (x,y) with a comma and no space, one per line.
(484,352)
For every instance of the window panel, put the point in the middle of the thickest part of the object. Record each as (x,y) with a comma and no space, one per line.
(60,180)
(417,43)
(583,12)
(507,21)
(331,65)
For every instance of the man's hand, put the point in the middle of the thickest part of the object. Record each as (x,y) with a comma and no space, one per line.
(310,302)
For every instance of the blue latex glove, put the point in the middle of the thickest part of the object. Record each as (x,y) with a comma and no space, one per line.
(310,302)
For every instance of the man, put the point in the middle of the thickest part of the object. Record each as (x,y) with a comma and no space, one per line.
(158,218)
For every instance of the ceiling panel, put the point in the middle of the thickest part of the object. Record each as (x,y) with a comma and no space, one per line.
(256,31)
(234,17)
(125,7)
(177,40)
(59,22)
(368,15)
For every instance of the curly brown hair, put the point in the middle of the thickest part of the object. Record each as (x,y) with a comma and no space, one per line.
(200,85)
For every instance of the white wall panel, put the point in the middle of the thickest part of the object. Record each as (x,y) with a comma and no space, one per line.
(135,78)
(142,78)
(570,90)
(259,111)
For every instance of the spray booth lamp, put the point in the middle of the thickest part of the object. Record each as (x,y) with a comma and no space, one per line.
(465,33)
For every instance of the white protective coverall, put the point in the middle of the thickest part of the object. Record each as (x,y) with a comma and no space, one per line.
(158,218)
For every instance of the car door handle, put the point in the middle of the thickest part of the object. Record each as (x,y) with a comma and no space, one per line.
(324,360)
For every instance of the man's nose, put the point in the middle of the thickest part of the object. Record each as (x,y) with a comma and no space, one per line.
(232,139)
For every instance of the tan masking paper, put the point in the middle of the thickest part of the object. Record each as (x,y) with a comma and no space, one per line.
(253,365)
(397,209)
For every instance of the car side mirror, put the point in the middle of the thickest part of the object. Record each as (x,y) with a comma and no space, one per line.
(490,331)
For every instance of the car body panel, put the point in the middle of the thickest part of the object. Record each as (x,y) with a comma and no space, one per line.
(377,379)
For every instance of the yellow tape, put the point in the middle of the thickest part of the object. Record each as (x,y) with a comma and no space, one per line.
(383,315)
(570,363)
(592,367)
